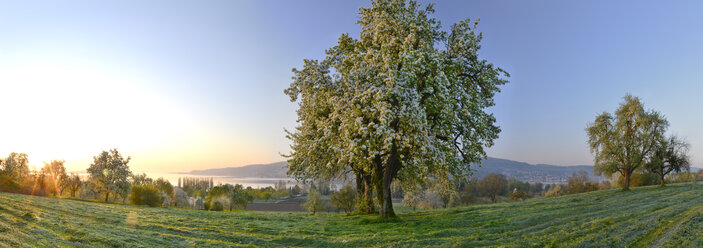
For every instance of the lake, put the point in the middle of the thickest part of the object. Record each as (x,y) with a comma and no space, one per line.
(254,182)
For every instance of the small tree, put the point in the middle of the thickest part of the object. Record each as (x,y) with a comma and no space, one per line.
(56,176)
(518,195)
(266,195)
(577,182)
(314,203)
(344,199)
(412,198)
(109,171)
(142,179)
(239,197)
(493,185)
(73,183)
(670,154)
(166,190)
(555,190)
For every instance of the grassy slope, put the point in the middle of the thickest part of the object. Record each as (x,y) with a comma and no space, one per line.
(649,216)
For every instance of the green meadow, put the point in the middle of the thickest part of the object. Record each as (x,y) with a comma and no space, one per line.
(652,216)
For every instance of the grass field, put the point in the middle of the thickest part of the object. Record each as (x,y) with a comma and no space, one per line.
(643,217)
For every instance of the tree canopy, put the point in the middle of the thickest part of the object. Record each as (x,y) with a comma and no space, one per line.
(623,142)
(15,166)
(110,172)
(405,101)
(669,155)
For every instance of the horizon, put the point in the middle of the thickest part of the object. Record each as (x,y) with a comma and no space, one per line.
(184,86)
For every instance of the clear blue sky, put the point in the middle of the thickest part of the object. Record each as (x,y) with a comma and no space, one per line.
(181,85)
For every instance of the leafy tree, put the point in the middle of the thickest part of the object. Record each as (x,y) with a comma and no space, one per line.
(165,188)
(579,182)
(412,198)
(518,194)
(56,173)
(555,190)
(406,101)
(622,143)
(109,171)
(670,154)
(493,185)
(344,199)
(266,195)
(314,203)
(15,166)
(180,197)
(142,179)
(73,183)
(239,197)
(513,183)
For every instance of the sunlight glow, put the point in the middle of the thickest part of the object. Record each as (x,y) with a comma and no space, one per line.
(58,110)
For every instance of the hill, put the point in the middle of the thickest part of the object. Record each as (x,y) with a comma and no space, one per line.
(542,173)
(273,170)
(669,216)
(522,171)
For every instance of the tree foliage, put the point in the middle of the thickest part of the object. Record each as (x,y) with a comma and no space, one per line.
(56,176)
(406,101)
(314,203)
(145,195)
(670,155)
(493,185)
(15,166)
(109,172)
(622,143)
(344,198)
(73,183)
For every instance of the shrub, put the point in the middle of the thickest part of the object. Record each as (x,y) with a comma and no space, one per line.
(145,195)
(604,185)
(217,206)
(638,178)
(314,203)
(518,195)
(7,184)
(554,191)
(344,199)
(681,177)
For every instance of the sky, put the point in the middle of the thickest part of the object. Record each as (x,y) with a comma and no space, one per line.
(184,85)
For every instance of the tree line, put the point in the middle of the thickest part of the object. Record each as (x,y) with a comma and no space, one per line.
(110,179)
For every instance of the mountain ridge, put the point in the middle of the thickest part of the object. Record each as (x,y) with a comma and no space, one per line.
(543,173)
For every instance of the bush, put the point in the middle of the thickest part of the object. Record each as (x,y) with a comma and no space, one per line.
(518,195)
(217,206)
(681,177)
(145,195)
(554,191)
(344,199)
(314,203)
(638,178)
(7,184)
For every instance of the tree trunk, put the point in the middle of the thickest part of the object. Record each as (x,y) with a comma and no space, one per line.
(626,185)
(388,175)
(368,195)
(661,179)
(377,180)
(107,196)
(387,207)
